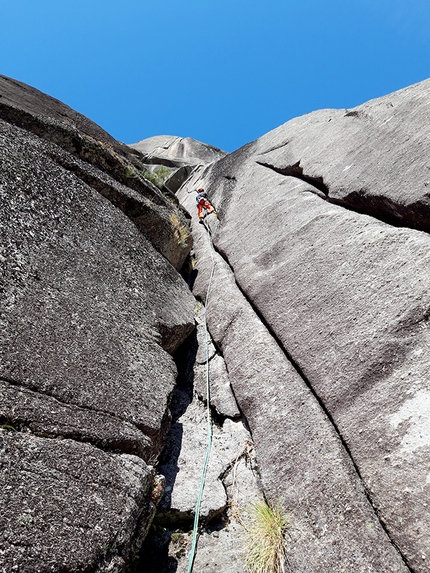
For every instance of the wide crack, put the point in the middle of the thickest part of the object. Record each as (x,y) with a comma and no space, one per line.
(169,540)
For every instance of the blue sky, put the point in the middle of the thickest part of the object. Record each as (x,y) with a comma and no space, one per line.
(221,71)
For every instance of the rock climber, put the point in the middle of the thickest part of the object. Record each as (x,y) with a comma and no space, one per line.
(204,206)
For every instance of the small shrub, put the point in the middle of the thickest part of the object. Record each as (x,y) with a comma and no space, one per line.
(179,544)
(150,177)
(158,175)
(130,172)
(265,538)
(162,172)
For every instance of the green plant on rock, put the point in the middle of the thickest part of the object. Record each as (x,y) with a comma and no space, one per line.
(158,176)
(180,543)
(265,543)
(150,176)
(8,427)
(130,172)
(162,172)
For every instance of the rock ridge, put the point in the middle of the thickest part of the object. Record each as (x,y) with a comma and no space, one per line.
(92,310)
(67,130)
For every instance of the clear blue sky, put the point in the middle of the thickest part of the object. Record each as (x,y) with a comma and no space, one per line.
(221,71)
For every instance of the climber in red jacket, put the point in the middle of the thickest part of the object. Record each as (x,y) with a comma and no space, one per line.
(203,204)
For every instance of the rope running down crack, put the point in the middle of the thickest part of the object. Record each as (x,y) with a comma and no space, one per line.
(208,415)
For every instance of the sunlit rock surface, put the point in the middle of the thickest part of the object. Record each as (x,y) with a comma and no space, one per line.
(323,235)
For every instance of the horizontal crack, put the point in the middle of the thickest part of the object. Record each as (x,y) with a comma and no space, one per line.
(114,446)
(70,404)
(297,171)
(276,147)
(73,404)
(414,216)
(300,372)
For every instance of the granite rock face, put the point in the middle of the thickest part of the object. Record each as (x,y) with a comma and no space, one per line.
(85,294)
(370,159)
(91,310)
(176,151)
(322,234)
(300,455)
(106,165)
(318,314)
(68,506)
(179,155)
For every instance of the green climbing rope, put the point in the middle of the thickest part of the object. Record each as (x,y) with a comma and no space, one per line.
(208,417)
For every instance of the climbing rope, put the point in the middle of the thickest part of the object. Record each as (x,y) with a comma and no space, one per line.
(208,414)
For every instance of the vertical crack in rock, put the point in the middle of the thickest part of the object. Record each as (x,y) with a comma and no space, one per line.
(222,399)
(300,372)
(231,482)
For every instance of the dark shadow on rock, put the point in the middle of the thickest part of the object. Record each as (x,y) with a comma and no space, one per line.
(168,466)
(189,272)
(154,555)
(185,358)
(180,399)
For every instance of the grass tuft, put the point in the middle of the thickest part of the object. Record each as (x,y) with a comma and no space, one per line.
(8,427)
(265,538)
